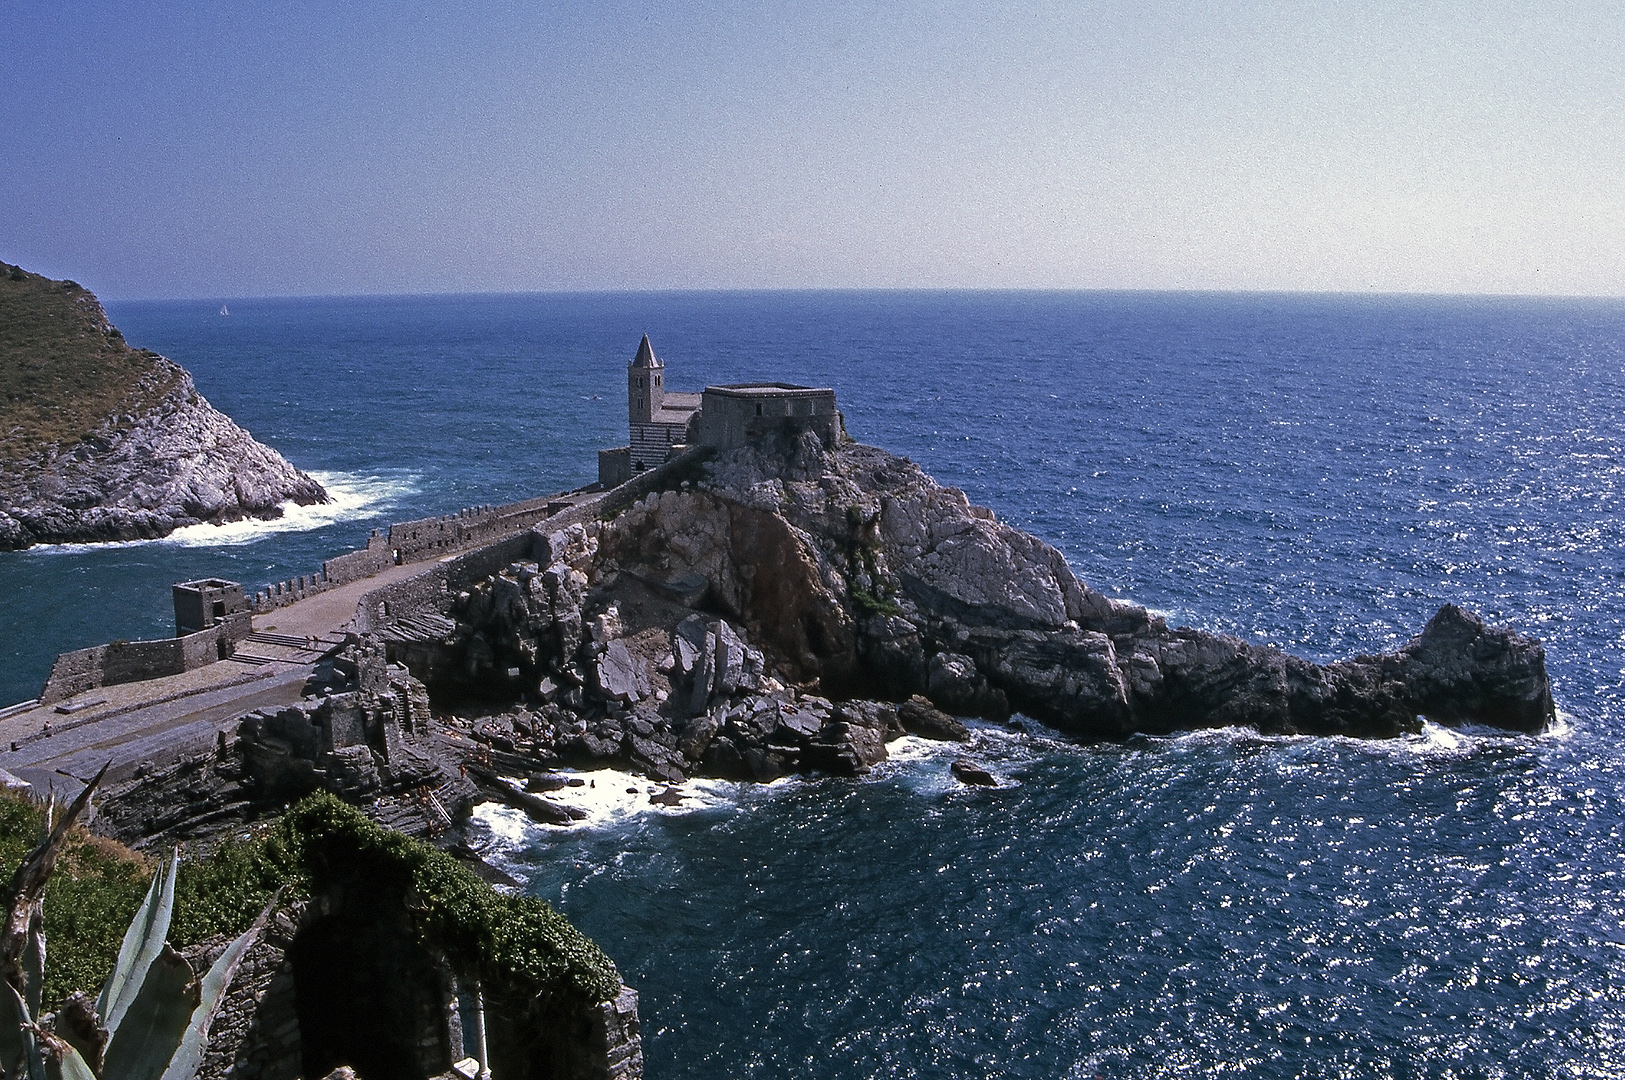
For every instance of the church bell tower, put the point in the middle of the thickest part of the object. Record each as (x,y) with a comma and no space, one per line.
(645,378)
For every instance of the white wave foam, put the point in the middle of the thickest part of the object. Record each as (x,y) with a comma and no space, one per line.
(610,797)
(353,497)
(1433,739)
(1562,726)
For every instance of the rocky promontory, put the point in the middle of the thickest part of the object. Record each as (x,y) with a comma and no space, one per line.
(783,607)
(792,606)
(99,441)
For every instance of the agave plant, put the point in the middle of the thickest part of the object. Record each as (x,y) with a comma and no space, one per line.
(151,1020)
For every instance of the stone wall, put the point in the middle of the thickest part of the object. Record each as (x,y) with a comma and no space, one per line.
(409,542)
(421,592)
(136,661)
(343,980)
(497,536)
(732,416)
(614,466)
(601,1041)
(355,565)
(624,495)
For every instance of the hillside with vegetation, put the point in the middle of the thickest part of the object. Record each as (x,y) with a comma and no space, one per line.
(102,441)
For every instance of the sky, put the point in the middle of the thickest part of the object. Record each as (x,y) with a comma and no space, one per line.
(153,150)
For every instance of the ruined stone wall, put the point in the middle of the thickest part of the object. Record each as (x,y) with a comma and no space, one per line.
(355,565)
(422,592)
(402,997)
(136,661)
(601,1041)
(255,1036)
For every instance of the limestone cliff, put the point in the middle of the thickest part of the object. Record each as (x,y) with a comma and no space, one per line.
(99,441)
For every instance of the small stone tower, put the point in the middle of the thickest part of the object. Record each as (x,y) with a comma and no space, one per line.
(645,389)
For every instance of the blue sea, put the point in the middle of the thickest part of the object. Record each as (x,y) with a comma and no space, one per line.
(1320,473)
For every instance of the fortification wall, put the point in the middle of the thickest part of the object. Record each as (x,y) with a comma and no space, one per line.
(734,416)
(355,565)
(73,673)
(291,591)
(137,661)
(481,563)
(489,538)
(421,592)
(620,497)
(409,542)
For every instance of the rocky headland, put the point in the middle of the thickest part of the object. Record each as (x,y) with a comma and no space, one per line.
(785,607)
(100,441)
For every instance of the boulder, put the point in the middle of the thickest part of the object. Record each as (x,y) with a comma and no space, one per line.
(621,677)
(924,719)
(1457,670)
(969,772)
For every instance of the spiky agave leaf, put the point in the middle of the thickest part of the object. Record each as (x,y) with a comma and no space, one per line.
(27,893)
(19,1050)
(152,1027)
(68,1066)
(143,942)
(166,1030)
(212,991)
(33,958)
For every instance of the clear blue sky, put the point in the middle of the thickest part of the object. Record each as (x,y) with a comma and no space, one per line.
(190,149)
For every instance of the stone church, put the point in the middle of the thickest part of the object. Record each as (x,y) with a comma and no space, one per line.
(664,422)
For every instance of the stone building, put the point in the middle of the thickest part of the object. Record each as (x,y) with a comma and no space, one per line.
(658,419)
(206,602)
(661,422)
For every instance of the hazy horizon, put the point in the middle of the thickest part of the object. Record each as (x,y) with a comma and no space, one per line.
(169,151)
(224,298)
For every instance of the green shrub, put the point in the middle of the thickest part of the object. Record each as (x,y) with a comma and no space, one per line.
(516,944)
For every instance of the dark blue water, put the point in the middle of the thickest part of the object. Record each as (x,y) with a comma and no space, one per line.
(1319,473)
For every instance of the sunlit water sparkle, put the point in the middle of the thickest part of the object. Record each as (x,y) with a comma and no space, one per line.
(1318,473)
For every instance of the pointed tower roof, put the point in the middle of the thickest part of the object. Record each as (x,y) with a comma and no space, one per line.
(646,357)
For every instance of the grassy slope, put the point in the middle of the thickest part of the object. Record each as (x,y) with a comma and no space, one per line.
(63,368)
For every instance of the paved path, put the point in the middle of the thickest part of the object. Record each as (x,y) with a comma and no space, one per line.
(161,720)
(54,747)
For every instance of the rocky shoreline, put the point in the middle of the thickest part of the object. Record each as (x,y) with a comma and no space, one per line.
(152,459)
(783,608)
(787,607)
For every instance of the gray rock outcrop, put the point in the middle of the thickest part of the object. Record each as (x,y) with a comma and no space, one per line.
(836,582)
(137,451)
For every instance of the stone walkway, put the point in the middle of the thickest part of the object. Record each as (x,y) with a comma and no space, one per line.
(161,720)
(58,746)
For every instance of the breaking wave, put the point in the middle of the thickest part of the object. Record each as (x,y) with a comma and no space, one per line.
(352,497)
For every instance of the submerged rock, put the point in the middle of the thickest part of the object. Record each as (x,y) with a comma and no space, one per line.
(968,772)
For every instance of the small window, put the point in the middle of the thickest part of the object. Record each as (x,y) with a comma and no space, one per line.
(758,410)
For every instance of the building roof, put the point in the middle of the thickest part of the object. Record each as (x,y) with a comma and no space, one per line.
(766,389)
(676,412)
(646,357)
